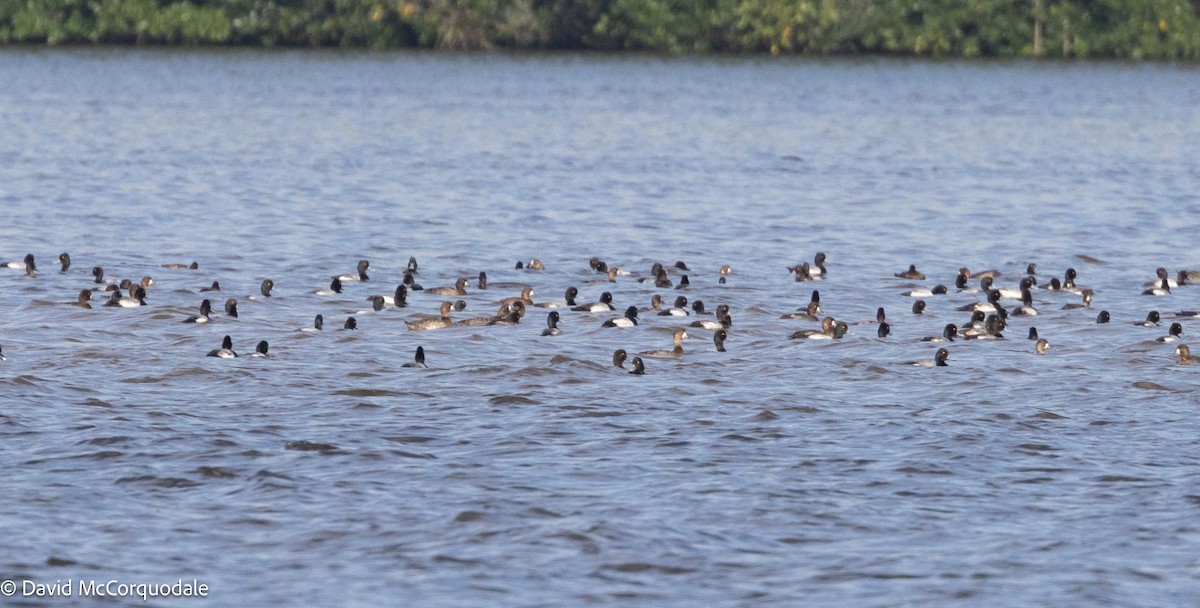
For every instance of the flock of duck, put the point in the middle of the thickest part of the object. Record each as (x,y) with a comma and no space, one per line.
(988,321)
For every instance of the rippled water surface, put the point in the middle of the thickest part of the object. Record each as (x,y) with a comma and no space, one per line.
(521,470)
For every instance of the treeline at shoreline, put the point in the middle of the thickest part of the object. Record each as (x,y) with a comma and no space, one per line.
(1138,29)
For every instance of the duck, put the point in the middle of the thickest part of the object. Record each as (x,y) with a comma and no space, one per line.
(376,305)
(443,320)
(534,264)
(1087,295)
(231,308)
(265,288)
(411,283)
(598,265)
(335,287)
(525,298)
(318,324)
(137,298)
(174,266)
(28,265)
(655,270)
(604,305)
(418,359)
(658,276)
(993,327)
(1185,355)
(1008,293)
(1041,345)
(1160,275)
(610,276)
(937,290)
(1174,333)
(503,312)
(351,324)
(918,307)
(939,359)
(83,301)
(912,273)
(1185,277)
(214,287)
(399,298)
(884,330)
(948,334)
(639,368)
(818,266)
(684,283)
(98,275)
(724,321)
(412,266)
(618,358)
(260,350)
(146,282)
(988,306)
(552,324)
(979,275)
(1103,317)
(567,301)
(1163,289)
(835,331)
(680,308)
(483,281)
(516,310)
(1053,285)
(725,270)
(459,289)
(1152,319)
(1033,333)
(226,350)
(962,284)
(629,320)
(698,308)
(719,338)
(678,336)
(205,311)
(64,259)
(1069,278)
(802,273)
(661,280)
(976,322)
(361,275)
(1026,309)
(827,325)
(1031,269)
(809,314)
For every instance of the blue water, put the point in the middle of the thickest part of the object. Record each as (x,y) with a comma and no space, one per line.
(521,470)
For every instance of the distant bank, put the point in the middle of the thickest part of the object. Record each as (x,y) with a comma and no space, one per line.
(1138,29)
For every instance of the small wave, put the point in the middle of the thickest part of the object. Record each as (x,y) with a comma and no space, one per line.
(215,472)
(511,400)
(161,482)
(1147,385)
(368,392)
(311,446)
(640,567)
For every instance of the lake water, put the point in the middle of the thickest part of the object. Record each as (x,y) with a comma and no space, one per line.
(521,470)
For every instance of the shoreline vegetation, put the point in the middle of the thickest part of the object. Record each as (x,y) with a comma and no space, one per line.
(1132,29)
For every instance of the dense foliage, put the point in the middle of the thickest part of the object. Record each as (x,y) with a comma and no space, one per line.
(1152,29)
